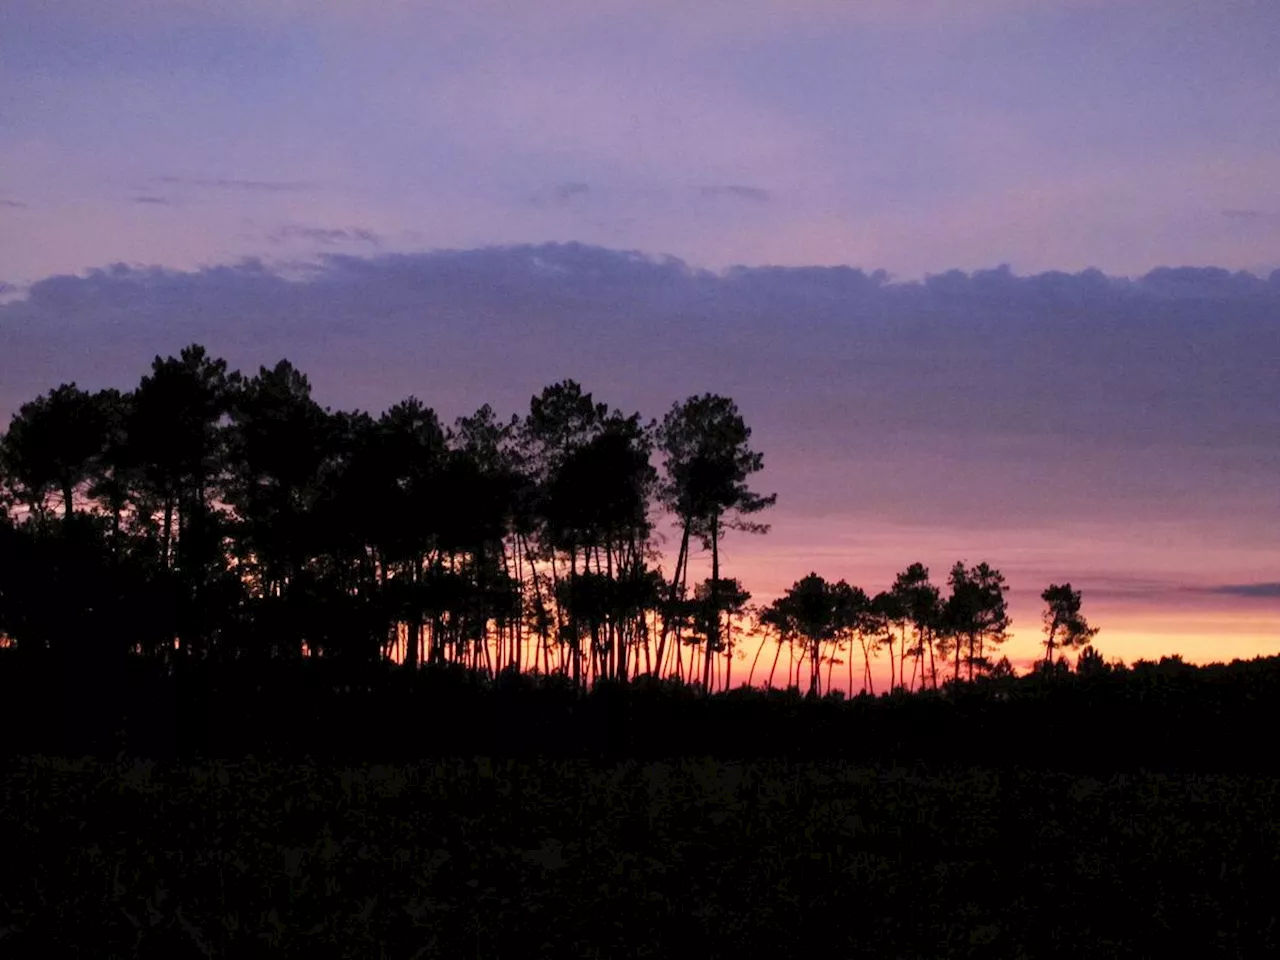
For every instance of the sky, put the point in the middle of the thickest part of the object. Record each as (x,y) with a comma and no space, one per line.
(990,280)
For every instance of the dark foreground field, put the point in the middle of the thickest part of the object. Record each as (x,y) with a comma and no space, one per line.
(563,858)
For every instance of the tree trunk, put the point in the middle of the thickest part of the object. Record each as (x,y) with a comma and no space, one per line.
(682,560)
(902,656)
(849,664)
(413,636)
(1048,657)
(713,636)
(867,678)
(751,676)
(776,655)
(728,651)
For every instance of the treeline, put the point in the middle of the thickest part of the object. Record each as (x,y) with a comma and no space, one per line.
(209,516)
(213,563)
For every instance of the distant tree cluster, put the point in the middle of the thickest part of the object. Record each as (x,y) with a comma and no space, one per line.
(209,516)
(912,622)
(212,515)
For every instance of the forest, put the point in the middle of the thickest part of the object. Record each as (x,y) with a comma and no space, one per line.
(214,561)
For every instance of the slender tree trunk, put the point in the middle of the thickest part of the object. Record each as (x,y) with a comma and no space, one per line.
(776,655)
(678,645)
(713,636)
(751,676)
(526,553)
(849,664)
(646,633)
(868,680)
(414,637)
(728,651)
(682,559)
(555,597)
(1048,657)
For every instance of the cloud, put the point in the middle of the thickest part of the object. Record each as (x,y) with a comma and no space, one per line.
(1261,590)
(1252,216)
(12,204)
(974,400)
(567,191)
(737,192)
(561,194)
(325,235)
(224,183)
(1110,587)
(151,198)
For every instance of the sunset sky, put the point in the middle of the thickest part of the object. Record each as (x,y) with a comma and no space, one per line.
(991,280)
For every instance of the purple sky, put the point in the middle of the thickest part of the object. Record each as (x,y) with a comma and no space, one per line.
(911,136)
(1117,427)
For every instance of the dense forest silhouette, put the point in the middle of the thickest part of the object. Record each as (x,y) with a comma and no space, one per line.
(214,563)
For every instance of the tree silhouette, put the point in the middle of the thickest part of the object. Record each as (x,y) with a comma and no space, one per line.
(853,623)
(560,422)
(975,615)
(282,444)
(810,612)
(887,613)
(113,478)
(52,446)
(707,463)
(1090,663)
(920,603)
(175,440)
(1064,624)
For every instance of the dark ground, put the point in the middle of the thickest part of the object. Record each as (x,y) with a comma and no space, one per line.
(565,858)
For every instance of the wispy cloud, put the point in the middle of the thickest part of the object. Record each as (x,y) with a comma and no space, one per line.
(1118,587)
(12,204)
(561,194)
(1254,216)
(152,198)
(325,235)
(228,183)
(1269,591)
(737,192)
(567,191)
